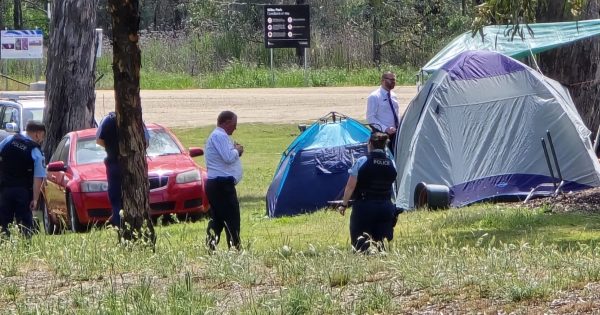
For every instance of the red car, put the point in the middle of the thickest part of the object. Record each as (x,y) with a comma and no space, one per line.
(75,194)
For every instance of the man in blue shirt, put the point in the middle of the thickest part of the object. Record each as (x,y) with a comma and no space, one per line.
(23,173)
(383,108)
(370,185)
(224,170)
(107,137)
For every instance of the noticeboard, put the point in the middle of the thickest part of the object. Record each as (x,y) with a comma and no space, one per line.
(287,26)
(22,44)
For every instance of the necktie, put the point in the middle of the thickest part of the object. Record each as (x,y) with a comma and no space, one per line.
(393,111)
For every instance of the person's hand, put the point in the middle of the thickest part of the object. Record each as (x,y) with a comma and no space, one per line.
(390,130)
(239,148)
(33,205)
(342,209)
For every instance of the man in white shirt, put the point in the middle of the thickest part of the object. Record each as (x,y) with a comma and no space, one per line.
(382,108)
(224,170)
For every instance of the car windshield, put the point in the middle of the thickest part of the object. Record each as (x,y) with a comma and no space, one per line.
(33,114)
(161,143)
(89,152)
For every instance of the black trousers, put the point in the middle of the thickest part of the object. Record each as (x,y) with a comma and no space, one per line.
(370,222)
(14,205)
(224,210)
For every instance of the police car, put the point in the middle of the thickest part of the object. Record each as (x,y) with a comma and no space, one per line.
(17,108)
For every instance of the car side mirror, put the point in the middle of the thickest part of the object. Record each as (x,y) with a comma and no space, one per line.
(12,127)
(57,166)
(194,152)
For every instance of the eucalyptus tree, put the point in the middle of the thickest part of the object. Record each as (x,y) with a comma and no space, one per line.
(70,70)
(136,223)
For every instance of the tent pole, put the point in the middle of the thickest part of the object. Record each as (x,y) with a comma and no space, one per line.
(548,163)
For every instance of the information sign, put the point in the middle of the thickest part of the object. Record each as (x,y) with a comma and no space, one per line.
(22,44)
(287,26)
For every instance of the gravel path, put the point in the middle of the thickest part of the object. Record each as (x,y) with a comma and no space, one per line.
(193,108)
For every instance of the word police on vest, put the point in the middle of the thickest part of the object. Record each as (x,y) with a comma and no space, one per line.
(382,162)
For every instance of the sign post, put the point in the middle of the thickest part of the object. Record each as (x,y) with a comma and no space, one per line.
(287,26)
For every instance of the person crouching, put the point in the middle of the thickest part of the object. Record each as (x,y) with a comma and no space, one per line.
(370,186)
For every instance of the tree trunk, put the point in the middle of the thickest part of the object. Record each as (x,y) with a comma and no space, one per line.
(70,72)
(375,11)
(17,15)
(2,10)
(575,66)
(136,223)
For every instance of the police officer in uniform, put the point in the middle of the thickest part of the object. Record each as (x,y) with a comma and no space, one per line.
(23,173)
(106,136)
(370,186)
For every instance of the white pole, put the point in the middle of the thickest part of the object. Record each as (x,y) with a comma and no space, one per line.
(305,72)
(272,71)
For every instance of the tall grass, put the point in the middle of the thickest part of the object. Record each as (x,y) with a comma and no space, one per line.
(493,258)
(223,61)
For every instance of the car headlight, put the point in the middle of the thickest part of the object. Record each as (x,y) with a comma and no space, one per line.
(94,186)
(188,177)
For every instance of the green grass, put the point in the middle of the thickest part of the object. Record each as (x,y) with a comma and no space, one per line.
(485,257)
(237,75)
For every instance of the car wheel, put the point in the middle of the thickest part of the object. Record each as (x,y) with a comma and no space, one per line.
(50,227)
(76,225)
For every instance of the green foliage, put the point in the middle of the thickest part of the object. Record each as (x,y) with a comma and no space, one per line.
(518,14)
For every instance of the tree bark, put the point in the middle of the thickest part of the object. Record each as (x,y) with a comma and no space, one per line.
(17,15)
(575,66)
(375,11)
(136,223)
(70,71)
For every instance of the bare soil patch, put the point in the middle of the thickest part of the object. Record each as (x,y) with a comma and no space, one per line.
(582,201)
(195,108)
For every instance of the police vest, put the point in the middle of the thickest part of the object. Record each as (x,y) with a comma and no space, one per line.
(17,163)
(375,178)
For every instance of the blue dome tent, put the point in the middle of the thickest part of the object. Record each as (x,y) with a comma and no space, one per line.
(314,168)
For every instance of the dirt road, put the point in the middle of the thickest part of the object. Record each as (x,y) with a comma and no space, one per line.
(193,108)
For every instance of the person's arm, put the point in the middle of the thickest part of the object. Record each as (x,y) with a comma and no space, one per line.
(100,133)
(372,108)
(37,187)
(101,142)
(348,191)
(39,173)
(228,152)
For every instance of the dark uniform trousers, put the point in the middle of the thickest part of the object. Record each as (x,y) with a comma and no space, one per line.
(224,211)
(370,222)
(15,204)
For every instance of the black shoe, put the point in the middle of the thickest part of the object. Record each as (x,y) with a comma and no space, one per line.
(211,240)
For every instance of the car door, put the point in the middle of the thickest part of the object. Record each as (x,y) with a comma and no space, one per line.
(10,114)
(57,181)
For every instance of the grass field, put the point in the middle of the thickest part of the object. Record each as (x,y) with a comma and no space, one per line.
(486,258)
